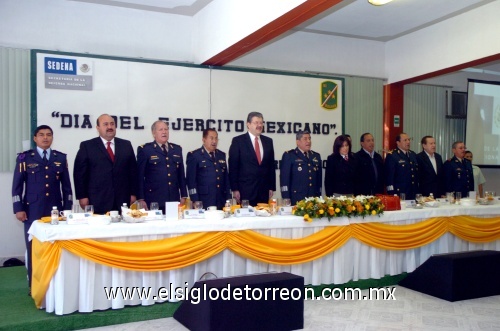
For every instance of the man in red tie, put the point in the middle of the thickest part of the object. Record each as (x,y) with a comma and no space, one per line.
(105,170)
(252,172)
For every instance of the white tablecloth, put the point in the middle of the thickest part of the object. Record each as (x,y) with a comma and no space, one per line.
(78,283)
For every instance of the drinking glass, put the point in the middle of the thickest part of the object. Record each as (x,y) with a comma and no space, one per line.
(198,205)
(89,209)
(450,196)
(154,206)
(287,202)
(418,198)
(458,196)
(402,196)
(244,203)
(76,208)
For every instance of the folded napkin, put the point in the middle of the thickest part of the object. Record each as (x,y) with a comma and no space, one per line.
(47,219)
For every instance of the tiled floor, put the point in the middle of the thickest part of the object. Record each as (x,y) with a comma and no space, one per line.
(410,311)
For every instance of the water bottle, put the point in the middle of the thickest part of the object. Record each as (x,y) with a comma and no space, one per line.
(227,208)
(54,216)
(274,207)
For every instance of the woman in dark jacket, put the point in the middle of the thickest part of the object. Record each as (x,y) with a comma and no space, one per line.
(340,167)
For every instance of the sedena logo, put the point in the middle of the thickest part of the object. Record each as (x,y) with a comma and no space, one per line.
(60,66)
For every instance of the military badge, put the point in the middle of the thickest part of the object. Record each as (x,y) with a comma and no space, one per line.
(329,92)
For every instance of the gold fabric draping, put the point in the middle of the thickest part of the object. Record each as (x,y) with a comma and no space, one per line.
(185,250)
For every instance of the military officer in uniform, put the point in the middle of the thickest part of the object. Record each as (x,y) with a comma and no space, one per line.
(161,169)
(41,181)
(206,173)
(401,169)
(300,170)
(458,173)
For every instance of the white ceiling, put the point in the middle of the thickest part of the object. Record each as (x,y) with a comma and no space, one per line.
(350,18)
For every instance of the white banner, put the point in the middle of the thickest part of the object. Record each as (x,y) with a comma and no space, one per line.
(190,98)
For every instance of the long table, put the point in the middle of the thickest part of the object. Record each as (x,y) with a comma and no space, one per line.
(78,282)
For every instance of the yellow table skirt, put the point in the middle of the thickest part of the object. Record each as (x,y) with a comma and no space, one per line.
(189,249)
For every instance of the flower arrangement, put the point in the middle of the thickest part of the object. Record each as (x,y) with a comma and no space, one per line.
(318,207)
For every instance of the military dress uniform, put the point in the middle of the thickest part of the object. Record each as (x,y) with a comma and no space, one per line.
(161,174)
(300,176)
(458,176)
(44,184)
(401,173)
(207,177)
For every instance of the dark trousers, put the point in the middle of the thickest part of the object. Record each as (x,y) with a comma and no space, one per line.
(27,225)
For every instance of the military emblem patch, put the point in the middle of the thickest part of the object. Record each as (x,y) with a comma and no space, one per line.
(329,91)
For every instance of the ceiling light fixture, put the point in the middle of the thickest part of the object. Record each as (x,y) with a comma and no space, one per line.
(379,2)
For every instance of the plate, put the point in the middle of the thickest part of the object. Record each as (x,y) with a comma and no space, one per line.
(214,215)
(99,220)
(432,204)
(128,219)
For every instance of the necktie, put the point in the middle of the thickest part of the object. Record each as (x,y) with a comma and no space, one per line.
(307,157)
(346,158)
(212,156)
(257,150)
(110,151)
(45,157)
(164,148)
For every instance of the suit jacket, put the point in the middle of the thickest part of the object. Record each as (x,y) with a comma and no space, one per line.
(300,177)
(401,173)
(37,186)
(246,175)
(208,179)
(340,175)
(161,176)
(107,184)
(429,180)
(366,182)
(458,176)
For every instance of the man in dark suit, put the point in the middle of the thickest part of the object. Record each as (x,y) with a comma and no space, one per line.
(105,171)
(369,168)
(301,170)
(207,173)
(161,169)
(40,176)
(430,168)
(251,163)
(401,169)
(458,173)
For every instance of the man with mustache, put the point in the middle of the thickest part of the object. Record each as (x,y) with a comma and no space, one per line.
(105,170)
(161,169)
(41,174)
(369,168)
(401,169)
(207,173)
(457,172)
(301,173)
(251,163)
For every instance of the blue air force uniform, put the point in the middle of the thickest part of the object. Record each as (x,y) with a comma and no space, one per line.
(207,178)
(39,185)
(401,173)
(161,175)
(300,176)
(458,176)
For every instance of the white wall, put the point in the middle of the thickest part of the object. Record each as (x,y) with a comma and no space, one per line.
(12,233)
(461,39)
(302,51)
(72,26)
(223,23)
